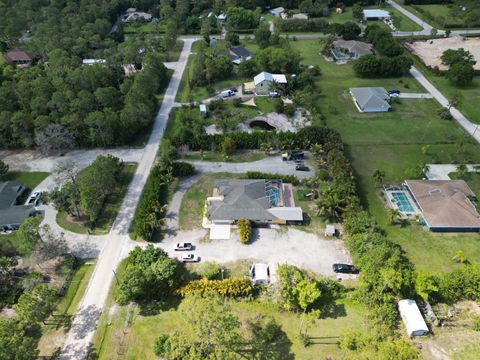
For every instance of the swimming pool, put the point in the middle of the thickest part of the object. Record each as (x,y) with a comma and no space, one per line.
(402,202)
(273,195)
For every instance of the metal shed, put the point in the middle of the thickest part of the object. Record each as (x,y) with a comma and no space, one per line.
(412,318)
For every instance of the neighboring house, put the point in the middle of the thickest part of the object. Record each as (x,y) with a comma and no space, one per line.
(93,61)
(18,57)
(350,49)
(11,215)
(236,54)
(264,80)
(260,201)
(277,11)
(371,99)
(445,205)
(132,15)
(375,14)
(300,16)
(412,318)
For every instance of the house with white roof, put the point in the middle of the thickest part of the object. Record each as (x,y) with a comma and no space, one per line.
(375,14)
(93,61)
(277,11)
(264,80)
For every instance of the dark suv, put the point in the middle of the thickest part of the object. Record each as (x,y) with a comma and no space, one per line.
(345,269)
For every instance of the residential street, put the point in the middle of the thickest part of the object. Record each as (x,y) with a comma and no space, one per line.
(462,120)
(117,244)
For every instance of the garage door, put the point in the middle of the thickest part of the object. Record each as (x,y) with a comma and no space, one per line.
(220,232)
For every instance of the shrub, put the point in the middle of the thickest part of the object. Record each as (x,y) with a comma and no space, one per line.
(231,287)
(228,146)
(160,345)
(289,110)
(278,105)
(460,284)
(209,270)
(244,230)
(291,179)
(182,169)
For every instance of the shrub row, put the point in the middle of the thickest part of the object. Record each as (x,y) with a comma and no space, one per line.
(290,179)
(231,287)
(304,138)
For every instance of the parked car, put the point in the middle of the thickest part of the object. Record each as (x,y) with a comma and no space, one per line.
(302,168)
(274,94)
(34,198)
(5,230)
(189,258)
(345,269)
(234,89)
(293,155)
(227,93)
(394,93)
(184,246)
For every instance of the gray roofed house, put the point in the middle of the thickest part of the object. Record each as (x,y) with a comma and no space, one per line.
(371,99)
(12,215)
(260,201)
(350,49)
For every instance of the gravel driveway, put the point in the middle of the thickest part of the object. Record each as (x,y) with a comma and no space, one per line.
(271,164)
(288,245)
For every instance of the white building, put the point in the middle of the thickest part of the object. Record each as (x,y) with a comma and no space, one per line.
(262,274)
(412,318)
(264,80)
(277,11)
(93,61)
(375,14)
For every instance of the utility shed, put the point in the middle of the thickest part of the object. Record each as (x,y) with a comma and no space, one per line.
(412,318)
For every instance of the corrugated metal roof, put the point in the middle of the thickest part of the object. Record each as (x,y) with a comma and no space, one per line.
(375,13)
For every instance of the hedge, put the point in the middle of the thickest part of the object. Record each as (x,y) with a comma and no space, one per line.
(291,179)
(182,169)
(231,287)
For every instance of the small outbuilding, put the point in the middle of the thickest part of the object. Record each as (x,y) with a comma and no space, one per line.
(93,61)
(262,274)
(264,80)
(203,110)
(277,11)
(412,318)
(330,230)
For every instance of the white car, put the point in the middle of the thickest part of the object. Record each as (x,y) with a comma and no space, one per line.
(189,258)
(183,246)
(34,198)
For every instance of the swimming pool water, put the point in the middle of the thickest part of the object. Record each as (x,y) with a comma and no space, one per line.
(402,202)
(273,196)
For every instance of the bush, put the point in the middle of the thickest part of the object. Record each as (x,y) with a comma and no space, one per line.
(278,105)
(232,287)
(289,110)
(160,345)
(460,284)
(290,179)
(244,230)
(209,270)
(182,169)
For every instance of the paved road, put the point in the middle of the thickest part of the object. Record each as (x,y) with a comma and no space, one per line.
(118,245)
(271,164)
(437,95)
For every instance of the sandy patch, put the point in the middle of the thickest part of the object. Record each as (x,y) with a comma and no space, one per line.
(430,51)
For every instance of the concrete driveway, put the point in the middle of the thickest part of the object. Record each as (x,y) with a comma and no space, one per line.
(441,171)
(415,96)
(286,245)
(271,164)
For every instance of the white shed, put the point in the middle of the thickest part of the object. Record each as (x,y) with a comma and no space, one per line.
(260,274)
(412,318)
(330,230)
(203,109)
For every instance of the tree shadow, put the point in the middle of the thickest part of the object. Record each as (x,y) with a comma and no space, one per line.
(152,308)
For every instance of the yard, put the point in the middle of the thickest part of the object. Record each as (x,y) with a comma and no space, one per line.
(238,157)
(438,15)
(191,210)
(393,142)
(109,210)
(130,331)
(54,335)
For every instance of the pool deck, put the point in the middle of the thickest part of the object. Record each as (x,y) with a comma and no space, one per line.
(393,204)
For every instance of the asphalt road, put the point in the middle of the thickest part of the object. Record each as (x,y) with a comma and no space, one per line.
(117,244)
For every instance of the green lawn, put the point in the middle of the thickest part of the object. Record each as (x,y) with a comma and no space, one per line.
(469,94)
(440,15)
(142,28)
(124,331)
(401,22)
(191,210)
(53,336)
(392,142)
(28,179)
(109,210)
(238,157)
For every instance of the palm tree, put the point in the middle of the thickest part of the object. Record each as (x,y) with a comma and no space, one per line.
(378,175)
(393,215)
(462,170)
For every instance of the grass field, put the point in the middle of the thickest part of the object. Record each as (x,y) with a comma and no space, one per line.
(109,210)
(471,178)
(441,15)
(142,28)
(401,22)
(53,336)
(393,142)
(191,210)
(123,331)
